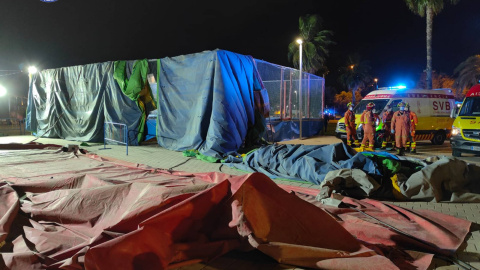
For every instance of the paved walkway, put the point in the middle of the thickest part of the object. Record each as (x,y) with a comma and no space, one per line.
(158,157)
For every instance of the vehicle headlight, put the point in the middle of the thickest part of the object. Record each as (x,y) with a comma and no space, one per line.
(455,131)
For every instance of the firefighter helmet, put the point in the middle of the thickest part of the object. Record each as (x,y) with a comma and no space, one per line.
(401,104)
(370,105)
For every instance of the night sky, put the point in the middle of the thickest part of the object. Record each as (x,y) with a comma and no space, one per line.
(384,32)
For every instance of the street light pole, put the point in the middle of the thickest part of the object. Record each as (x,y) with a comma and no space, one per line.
(28,121)
(300,42)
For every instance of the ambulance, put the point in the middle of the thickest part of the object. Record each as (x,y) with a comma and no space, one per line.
(466,127)
(433,109)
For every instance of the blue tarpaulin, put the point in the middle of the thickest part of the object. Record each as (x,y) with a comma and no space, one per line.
(303,162)
(206,101)
(281,130)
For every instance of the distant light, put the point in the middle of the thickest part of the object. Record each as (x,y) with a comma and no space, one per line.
(299,41)
(3,91)
(32,70)
(376,80)
(352,66)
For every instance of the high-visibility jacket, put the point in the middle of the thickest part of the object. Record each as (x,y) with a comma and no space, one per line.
(413,120)
(368,119)
(350,127)
(350,119)
(387,120)
(401,124)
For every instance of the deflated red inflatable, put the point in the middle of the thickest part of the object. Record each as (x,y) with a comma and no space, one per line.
(60,211)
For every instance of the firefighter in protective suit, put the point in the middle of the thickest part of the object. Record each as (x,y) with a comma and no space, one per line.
(369,119)
(401,128)
(386,126)
(350,126)
(412,144)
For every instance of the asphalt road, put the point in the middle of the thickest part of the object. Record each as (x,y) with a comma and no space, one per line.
(426,149)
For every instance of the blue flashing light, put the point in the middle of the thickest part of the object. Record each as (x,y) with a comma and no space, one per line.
(398,87)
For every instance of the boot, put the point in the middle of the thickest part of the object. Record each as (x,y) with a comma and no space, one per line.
(413,148)
(401,151)
(384,145)
(351,144)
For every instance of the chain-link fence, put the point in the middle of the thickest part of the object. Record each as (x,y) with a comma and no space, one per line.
(282,84)
(11,127)
(115,133)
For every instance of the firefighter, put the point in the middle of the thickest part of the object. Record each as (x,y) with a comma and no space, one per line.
(350,126)
(401,128)
(369,119)
(413,123)
(386,126)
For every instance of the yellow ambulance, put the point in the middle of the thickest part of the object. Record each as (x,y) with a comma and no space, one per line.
(466,127)
(433,109)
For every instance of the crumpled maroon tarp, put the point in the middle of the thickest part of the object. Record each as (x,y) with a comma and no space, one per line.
(88,212)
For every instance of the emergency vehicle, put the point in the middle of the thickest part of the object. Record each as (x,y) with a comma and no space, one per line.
(466,127)
(433,108)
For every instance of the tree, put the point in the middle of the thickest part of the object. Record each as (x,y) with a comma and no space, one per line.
(428,8)
(442,80)
(343,98)
(315,44)
(355,74)
(468,73)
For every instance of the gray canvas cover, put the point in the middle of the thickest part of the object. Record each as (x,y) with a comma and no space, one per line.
(74,102)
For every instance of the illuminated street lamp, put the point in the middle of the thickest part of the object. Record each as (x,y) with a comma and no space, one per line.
(3,91)
(32,70)
(376,83)
(352,66)
(300,42)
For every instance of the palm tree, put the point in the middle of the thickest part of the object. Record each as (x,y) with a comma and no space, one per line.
(468,72)
(429,8)
(315,44)
(355,74)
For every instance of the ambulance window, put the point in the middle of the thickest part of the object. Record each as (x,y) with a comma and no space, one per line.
(471,107)
(394,104)
(362,106)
